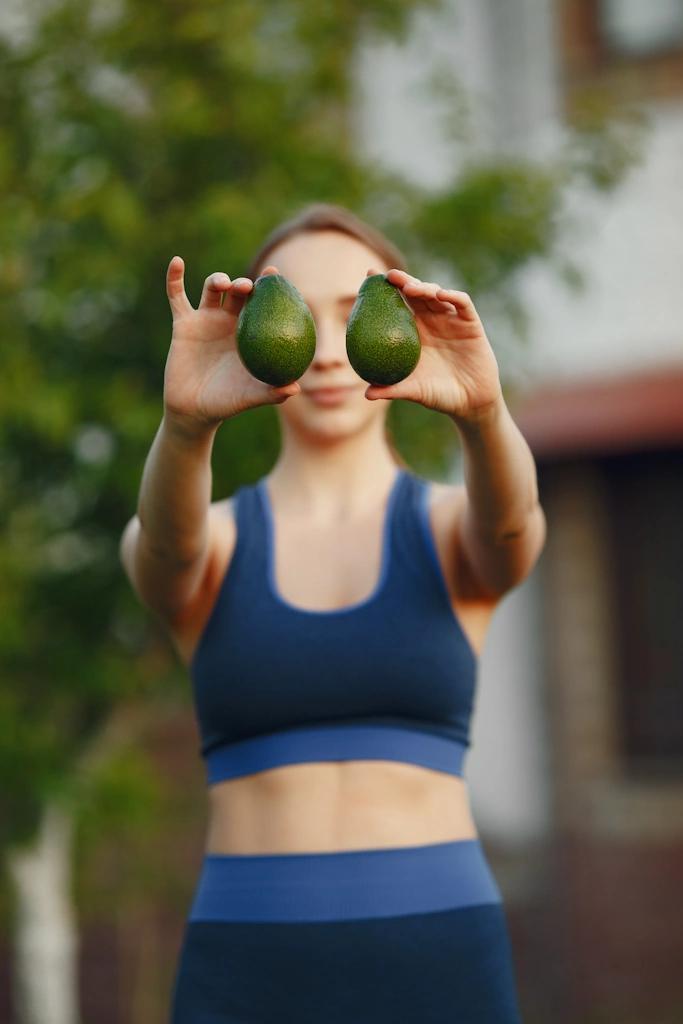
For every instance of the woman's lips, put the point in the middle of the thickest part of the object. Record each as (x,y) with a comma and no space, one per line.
(329,396)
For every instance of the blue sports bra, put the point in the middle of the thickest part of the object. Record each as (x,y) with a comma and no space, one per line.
(389,678)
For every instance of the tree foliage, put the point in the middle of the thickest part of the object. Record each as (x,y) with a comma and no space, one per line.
(164,127)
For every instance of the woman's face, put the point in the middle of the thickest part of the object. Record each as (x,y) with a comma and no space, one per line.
(328,268)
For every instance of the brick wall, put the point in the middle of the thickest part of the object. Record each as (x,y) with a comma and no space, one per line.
(623,917)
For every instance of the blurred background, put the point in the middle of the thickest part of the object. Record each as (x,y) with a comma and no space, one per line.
(530,152)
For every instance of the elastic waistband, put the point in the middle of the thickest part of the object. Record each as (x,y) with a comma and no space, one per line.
(336,743)
(344,885)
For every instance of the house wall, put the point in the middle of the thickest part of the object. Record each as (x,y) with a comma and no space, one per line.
(508,759)
(515,61)
(619,858)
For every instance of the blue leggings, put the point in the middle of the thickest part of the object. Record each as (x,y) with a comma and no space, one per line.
(383,936)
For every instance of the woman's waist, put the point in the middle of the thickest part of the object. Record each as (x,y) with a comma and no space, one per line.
(335,806)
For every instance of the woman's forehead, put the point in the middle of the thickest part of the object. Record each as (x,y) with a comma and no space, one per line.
(325,263)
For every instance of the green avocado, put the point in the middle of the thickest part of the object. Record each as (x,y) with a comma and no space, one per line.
(275,331)
(381,336)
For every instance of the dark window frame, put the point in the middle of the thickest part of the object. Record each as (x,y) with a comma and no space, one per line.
(643,493)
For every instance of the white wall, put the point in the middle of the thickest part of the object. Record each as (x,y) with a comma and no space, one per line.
(398,124)
(629,244)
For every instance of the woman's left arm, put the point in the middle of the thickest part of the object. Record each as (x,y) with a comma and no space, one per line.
(502,527)
(502,530)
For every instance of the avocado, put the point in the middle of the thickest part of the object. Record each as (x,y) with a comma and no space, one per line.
(275,331)
(381,336)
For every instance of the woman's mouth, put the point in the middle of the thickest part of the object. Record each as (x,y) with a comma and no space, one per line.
(329,396)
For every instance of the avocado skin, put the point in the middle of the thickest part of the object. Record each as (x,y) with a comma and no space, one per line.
(382,341)
(275,331)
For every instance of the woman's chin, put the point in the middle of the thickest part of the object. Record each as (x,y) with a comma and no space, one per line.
(331,424)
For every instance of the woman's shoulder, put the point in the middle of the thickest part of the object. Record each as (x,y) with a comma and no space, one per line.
(222,530)
(446,508)
(440,490)
(224,508)
(446,496)
(446,505)
(188,624)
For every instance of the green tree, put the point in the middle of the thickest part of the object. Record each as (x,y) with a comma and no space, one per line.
(129,133)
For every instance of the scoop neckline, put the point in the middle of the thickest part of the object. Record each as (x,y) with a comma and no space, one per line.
(264,496)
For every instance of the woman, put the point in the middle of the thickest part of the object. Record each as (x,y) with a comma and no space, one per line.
(331,617)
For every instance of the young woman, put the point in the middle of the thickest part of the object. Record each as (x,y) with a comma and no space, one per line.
(331,617)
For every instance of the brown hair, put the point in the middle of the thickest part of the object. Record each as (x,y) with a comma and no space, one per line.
(327,217)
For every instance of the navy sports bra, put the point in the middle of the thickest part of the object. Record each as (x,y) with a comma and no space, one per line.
(389,678)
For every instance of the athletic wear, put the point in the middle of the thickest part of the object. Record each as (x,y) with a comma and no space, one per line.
(410,935)
(344,885)
(391,677)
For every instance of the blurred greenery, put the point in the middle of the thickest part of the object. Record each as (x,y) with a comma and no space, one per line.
(128,133)
(135,799)
(608,137)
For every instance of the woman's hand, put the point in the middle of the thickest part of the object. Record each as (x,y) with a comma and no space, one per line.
(205,381)
(457,372)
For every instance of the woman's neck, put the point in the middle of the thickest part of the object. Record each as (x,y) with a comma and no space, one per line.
(336,478)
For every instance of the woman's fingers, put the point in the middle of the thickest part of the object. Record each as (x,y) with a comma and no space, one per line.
(375,391)
(422,295)
(406,388)
(175,287)
(436,298)
(284,392)
(215,287)
(401,278)
(236,294)
(461,300)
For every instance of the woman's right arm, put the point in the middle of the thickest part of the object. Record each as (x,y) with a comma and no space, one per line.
(167,549)
(166,546)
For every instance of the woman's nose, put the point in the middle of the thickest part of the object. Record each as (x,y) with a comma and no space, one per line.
(330,345)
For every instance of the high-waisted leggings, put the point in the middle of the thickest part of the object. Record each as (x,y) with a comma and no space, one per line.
(383,936)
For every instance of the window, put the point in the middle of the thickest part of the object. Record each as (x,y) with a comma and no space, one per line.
(631,48)
(641,27)
(645,507)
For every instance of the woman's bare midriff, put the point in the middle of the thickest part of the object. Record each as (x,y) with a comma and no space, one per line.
(340,805)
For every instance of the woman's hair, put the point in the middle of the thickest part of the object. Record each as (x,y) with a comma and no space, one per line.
(327,217)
